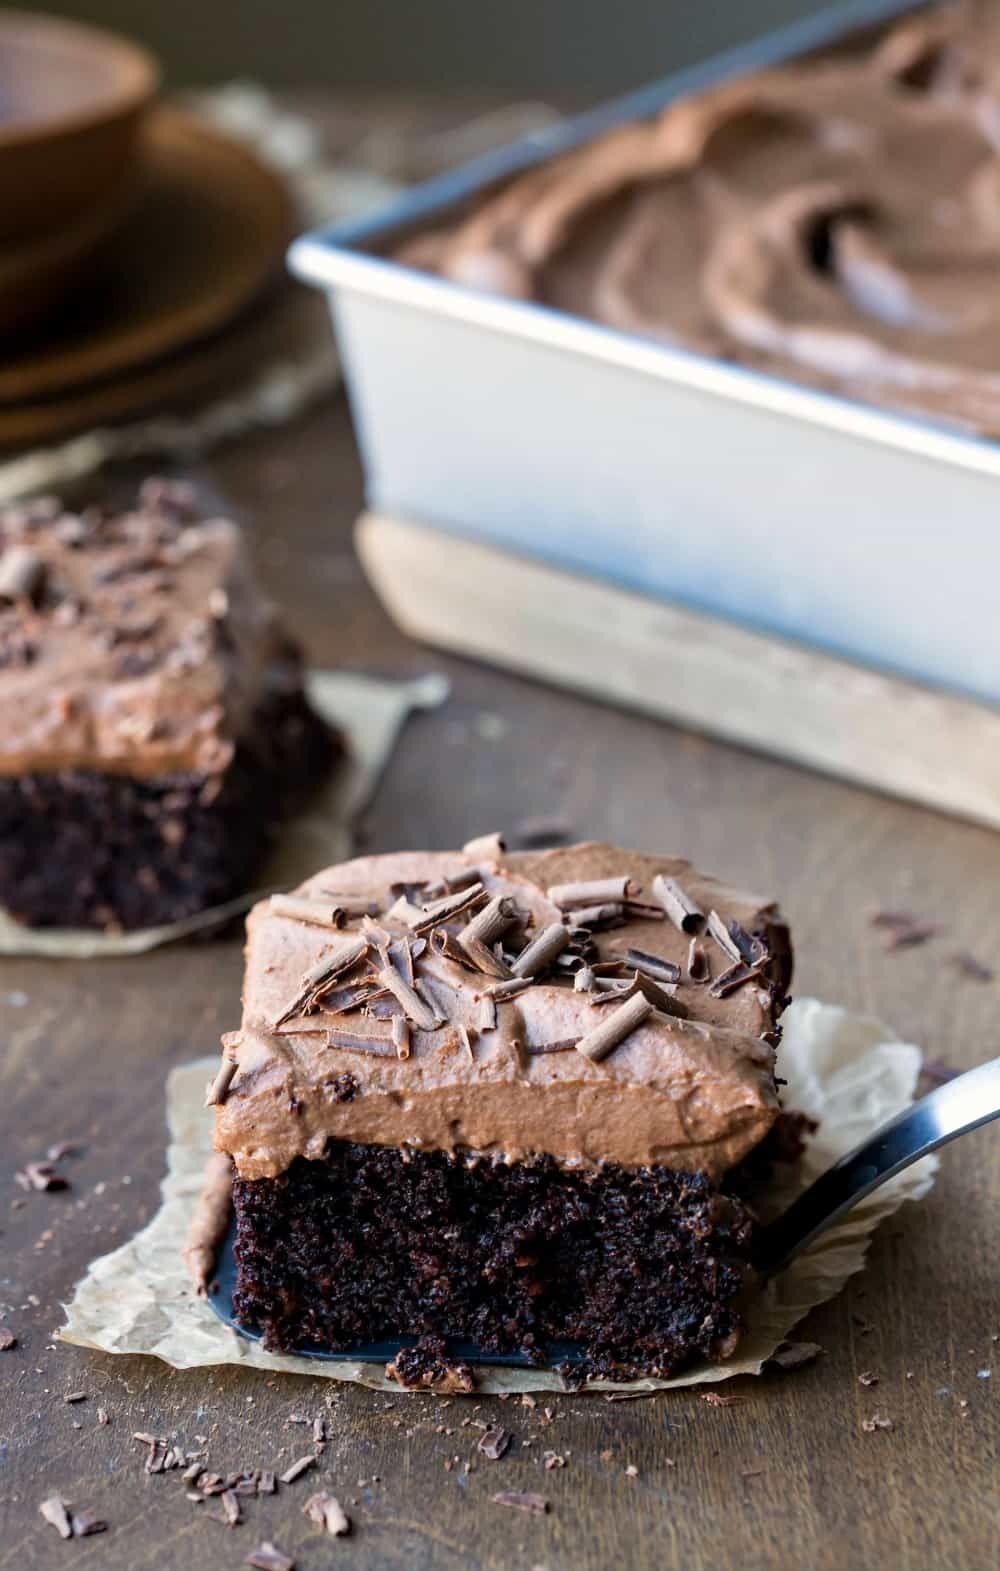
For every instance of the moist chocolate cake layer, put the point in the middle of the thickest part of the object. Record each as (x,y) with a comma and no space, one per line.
(643,1270)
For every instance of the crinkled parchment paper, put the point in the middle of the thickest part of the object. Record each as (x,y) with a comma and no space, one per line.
(369,712)
(845,1070)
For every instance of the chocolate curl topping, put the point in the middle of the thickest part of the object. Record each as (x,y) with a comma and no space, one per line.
(610,914)
(351,905)
(613,1030)
(660,997)
(435,911)
(698,968)
(730,980)
(218,1089)
(302,908)
(484,929)
(443,944)
(323,973)
(354,1042)
(484,958)
(542,951)
(652,965)
(486,1014)
(489,846)
(22,575)
(584,980)
(720,932)
(405,912)
(509,988)
(401,1036)
(418,1011)
(570,897)
(678,905)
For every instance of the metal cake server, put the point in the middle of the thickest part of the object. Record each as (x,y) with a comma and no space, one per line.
(957,1107)
(954,1109)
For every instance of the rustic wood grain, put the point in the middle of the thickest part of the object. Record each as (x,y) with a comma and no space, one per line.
(785,1479)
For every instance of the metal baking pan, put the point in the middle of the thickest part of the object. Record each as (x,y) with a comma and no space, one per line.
(867,534)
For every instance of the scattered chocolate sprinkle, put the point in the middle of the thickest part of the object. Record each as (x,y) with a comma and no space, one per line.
(266,1482)
(494,1443)
(716,1399)
(40,1176)
(678,905)
(792,1355)
(904,930)
(191,1474)
(401,1036)
(301,908)
(592,892)
(971,967)
(328,1513)
(54,1510)
(718,930)
(7,1340)
(297,1468)
(218,1089)
(231,1508)
(870,1425)
(652,965)
(613,1030)
(868,1377)
(537,956)
(522,1500)
(85,1522)
(937,1071)
(268,1557)
(22,575)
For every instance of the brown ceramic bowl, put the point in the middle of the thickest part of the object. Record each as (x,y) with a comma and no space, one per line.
(72,100)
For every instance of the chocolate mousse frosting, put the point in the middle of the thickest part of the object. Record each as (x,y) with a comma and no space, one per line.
(589,1003)
(836,222)
(131,642)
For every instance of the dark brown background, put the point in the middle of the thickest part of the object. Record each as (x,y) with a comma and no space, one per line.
(785,1479)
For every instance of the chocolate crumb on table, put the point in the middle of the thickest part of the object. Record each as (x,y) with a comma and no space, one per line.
(153,725)
(566,1165)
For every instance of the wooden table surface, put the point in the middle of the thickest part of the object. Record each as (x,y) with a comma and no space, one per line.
(785,1478)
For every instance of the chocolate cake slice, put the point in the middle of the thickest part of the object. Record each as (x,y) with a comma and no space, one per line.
(152,719)
(497,1097)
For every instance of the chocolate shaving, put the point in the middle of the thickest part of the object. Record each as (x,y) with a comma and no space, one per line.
(972,967)
(302,1465)
(509,988)
(401,1036)
(660,997)
(736,976)
(351,905)
(652,965)
(451,905)
(218,1089)
(678,905)
(491,922)
(322,975)
(354,1042)
(485,959)
(753,950)
(303,909)
(268,1557)
(792,1355)
(698,968)
(589,917)
(455,878)
(486,1014)
(584,980)
(41,1176)
(716,1399)
(542,951)
(465,1041)
(613,1030)
(494,1443)
(537,1049)
(640,911)
(343,1001)
(489,846)
(54,1510)
(7,1339)
(231,1508)
(522,1500)
(266,1482)
(404,911)
(328,1513)
(719,931)
(22,575)
(592,892)
(418,1011)
(904,930)
(86,1522)
(445,945)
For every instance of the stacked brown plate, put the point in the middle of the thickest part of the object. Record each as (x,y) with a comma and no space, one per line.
(132,236)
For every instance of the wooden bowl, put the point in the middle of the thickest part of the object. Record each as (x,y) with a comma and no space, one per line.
(72,101)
